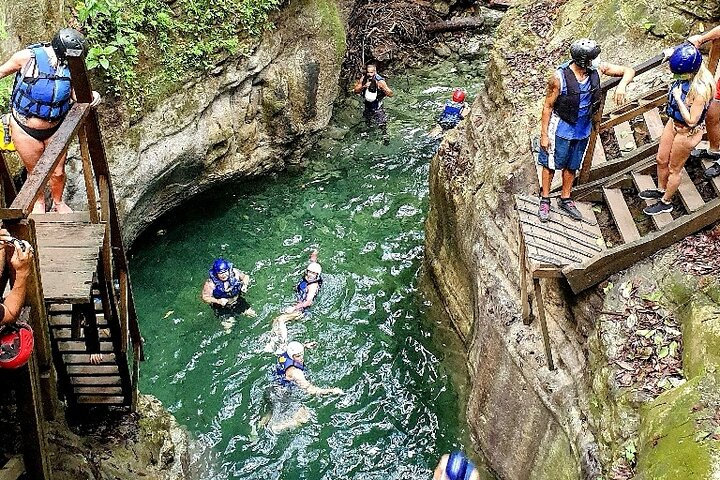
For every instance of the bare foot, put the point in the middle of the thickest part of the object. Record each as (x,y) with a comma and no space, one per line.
(39,206)
(250,313)
(96,358)
(61,207)
(310,344)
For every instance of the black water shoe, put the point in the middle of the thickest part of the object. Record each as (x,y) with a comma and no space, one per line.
(658,208)
(568,206)
(652,194)
(713,170)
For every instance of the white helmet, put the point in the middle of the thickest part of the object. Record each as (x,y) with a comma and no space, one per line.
(314,267)
(295,348)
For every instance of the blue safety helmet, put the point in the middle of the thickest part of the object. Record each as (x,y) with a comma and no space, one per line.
(457,466)
(221,265)
(685,59)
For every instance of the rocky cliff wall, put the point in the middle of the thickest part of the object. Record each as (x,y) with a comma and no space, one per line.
(530,423)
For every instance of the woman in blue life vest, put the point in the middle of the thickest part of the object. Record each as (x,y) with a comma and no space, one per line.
(290,371)
(455,466)
(41,97)
(689,97)
(224,288)
(308,287)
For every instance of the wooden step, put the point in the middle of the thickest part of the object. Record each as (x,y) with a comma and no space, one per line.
(599,153)
(621,214)
(84,358)
(96,381)
(65,334)
(100,400)
(645,182)
(689,195)
(67,346)
(65,321)
(625,137)
(654,123)
(49,217)
(98,390)
(715,182)
(84,370)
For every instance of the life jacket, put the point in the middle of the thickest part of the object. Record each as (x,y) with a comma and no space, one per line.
(459,467)
(16,344)
(373,97)
(567,104)
(301,290)
(234,285)
(672,109)
(451,115)
(45,96)
(285,361)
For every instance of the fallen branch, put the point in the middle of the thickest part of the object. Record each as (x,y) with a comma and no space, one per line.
(454,24)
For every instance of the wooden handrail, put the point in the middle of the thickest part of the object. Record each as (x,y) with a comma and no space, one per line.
(35,184)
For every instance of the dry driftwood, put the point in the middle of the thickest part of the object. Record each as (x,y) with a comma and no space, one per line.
(455,24)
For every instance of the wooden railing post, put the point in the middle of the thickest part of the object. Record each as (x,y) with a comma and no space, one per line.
(8,187)
(587,159)
(25,230)
(88,176)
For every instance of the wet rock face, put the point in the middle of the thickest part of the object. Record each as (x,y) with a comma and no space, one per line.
(530,423)
(148,444)
(247,118)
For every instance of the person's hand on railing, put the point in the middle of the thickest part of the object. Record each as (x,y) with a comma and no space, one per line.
(620,95)
(96,99)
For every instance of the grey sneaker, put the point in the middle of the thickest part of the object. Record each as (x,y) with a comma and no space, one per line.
(544,210)
(705,153)
(658,208)
(568,205)
(713,170)
(653,194)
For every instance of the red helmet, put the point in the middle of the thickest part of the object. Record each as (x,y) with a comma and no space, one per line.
(16,345)
(458,95)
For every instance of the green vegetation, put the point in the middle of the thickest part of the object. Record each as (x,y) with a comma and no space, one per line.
(132,39)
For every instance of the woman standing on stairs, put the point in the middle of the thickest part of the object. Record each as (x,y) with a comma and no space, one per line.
(688,100)
(41,98)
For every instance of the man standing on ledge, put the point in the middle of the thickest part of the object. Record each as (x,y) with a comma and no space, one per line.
(573,97)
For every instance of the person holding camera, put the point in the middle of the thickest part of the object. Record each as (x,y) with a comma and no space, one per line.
(21,254)
(373,88)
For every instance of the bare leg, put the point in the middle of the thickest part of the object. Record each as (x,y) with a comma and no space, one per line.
(57,186)
(547,176)
(663,155)
(29,151)
(681,147)
(568,177)
(712,121)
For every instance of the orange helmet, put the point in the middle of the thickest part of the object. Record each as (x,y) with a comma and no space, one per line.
(458,95)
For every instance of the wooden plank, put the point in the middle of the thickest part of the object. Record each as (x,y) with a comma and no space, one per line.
(599,153)
(644,155)
(654,123)
(100,400)
(98,390)
(540,302)
(635,108)
(106,369)
(84,358)
(645,182)
(640,68)
(78,346)
(13,468)
(70,234)
(537,235)
(621,214)
(8,187)
(689,195)
(593,271)
(715,181)
(37,180)
(67,287)
(65,321)
(60,334)
(522,261)
(12,214)
(103,380)
(53,217)
(625,137)
(58,259)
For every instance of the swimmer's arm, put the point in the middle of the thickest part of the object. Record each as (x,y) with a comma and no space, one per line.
(15,63)
(627,74)
(298,377)
(382,84)
(244,278)
(312,292)
(207,295)
(440,469)
(359,85)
